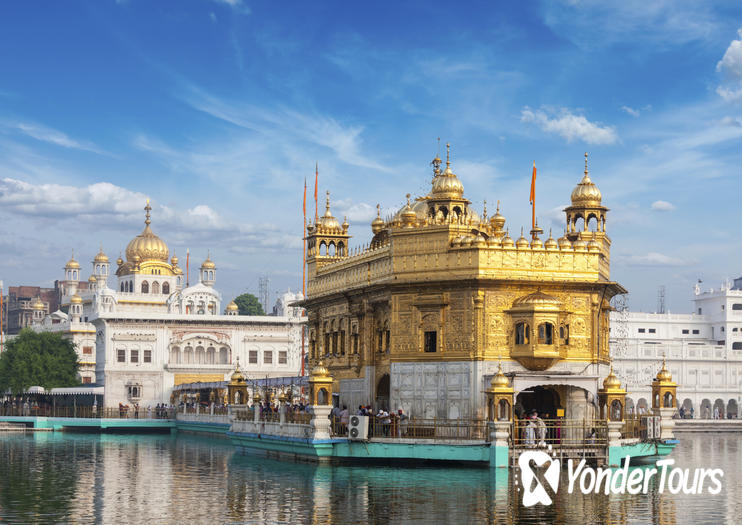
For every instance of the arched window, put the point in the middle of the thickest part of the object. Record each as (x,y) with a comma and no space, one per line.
(211,356)
(188,355)
(200,355)
(564,334)
(175,355)
(616,410)
(145,287)
(122,287)
(223,356)
(546,334)
(668,400)
(155,287)
(522,336)
(166,288)
(331,249)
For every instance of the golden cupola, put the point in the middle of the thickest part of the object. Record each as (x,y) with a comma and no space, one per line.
(586,193)
(327,222)
(72,264)
(147,246)
(208,264)
(101,257)
(446,185)
(611,382)
(378,223)
(497,221)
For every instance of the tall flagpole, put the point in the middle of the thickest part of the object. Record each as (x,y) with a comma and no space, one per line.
(188,267)
(534,231)
(2,336)
(304,269)
(316,180)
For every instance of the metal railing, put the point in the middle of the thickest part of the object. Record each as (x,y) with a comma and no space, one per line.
(89,412)
(584,433)
(291,416)
(418,428)
(633,426)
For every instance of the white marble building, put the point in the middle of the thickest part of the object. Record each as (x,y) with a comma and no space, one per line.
(703,351)
(152,331)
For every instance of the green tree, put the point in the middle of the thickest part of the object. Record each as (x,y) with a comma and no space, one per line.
(249,304)
(45,359)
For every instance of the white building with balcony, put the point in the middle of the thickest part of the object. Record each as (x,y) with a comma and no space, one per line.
(152,330)
(703,351)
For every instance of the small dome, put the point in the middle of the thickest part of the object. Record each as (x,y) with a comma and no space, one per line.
(494,241)
(580,245)
(232,307)
(500,381)
(550,243)
(537,298)
(101,257)
(208,264)
(36,304)
(457,241)
(237,376)
(536,243)
(497,221)
(75,299)
(480,240)
(522,242)
(586,193)
(593,245)
(320,371)
(174,260)
(92,279)
(408,214)
(664,375)
(72,264)
(327,221)
(119,261)
(565,243)
(447,184)
(467,240)
(378,223)
(507,241)
(611,382)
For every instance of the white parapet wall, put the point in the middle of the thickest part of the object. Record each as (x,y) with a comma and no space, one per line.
(273,428)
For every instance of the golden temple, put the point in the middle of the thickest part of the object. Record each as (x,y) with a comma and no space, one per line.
(421,318)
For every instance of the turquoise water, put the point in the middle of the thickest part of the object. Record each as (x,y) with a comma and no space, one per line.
(91,478)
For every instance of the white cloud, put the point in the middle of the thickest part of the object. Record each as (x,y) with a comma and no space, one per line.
(631,111)
(570,126)
(651,259)
(212,16)
(662,206)
(49,135)
(731,66)
(237,5)
(355,211)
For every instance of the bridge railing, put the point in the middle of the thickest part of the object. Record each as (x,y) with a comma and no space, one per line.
(89,412)
(420,428)
(559,432)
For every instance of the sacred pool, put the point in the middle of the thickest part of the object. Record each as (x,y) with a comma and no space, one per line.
(64,477)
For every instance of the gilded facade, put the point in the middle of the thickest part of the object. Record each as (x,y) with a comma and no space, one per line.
(421,317)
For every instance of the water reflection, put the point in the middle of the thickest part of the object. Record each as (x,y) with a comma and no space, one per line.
(88,478)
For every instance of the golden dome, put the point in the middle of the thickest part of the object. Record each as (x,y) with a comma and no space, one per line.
(564,242)
(92,279)
(75,299)
(580,245)
(101,257)
(327,221)
(522,242)
(500,381)
(611,382)
(507,241)
(237,376)
(174,260)
(536,243)
(593,245)
(72,264)
(208,264)
(497,221)
(147,246)
(447,184)
(119,261)
(586,193)
(36,304)
(480,240)
(550,243)
(378,223)
(664,375)
(232,307)
(537,299)
(320,371)
(408,214)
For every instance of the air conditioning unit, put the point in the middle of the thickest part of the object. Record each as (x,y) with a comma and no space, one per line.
(358,428)
(651,426)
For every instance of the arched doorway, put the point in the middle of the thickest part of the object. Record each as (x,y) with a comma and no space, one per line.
(544,400)
(382,392)
(719,409)
(732,409)
(687,408)
(705,409)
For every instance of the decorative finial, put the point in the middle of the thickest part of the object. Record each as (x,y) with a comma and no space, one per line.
(147,209)
(328,201)
(586,163)
(550,237)
(448,155)
(498,206)
(484,212)
(408,200)
(436,163)
(521,231)
(378,211)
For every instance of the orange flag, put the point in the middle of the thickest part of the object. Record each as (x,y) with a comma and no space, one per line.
(305,200)
(533,184)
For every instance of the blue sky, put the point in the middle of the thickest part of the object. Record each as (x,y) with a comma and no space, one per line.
(217,110)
